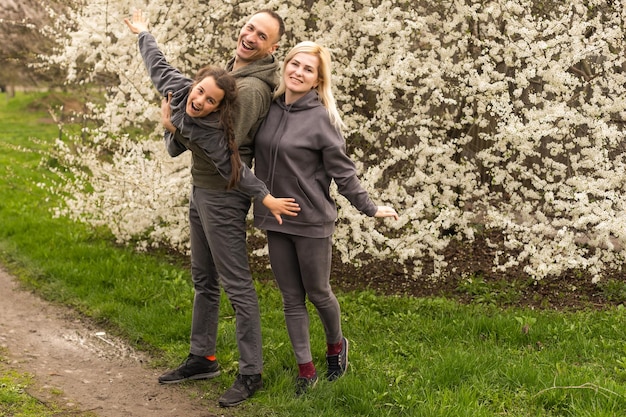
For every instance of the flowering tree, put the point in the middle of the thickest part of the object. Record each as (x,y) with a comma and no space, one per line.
(505,113)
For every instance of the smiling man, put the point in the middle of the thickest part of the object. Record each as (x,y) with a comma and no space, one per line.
(256,70)
(218,224)
(257,39)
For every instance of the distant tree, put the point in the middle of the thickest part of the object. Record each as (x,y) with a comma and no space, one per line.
(22,42)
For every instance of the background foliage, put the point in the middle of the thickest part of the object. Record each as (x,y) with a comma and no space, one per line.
(462,114)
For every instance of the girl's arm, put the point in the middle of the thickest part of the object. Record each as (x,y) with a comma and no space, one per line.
(215,149)
(164,77)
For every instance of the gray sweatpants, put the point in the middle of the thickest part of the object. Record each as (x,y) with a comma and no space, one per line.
(301,267)
(217,221)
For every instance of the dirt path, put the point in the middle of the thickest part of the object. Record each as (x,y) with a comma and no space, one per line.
(95,372)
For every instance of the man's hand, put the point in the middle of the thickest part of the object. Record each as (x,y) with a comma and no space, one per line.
(138,24)
(166,113)
(278,206)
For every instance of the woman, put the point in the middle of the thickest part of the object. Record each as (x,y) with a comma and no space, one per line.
(299,151)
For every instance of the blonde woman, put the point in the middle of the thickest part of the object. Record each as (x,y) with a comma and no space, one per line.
(299,150)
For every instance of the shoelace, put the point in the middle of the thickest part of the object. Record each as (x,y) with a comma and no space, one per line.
(334,362)
(246,383)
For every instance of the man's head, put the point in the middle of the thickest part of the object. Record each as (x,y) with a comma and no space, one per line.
(259,37)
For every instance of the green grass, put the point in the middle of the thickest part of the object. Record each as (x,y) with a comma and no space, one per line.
(409,357)
(14,397)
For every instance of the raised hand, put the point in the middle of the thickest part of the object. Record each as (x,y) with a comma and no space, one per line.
(137,23)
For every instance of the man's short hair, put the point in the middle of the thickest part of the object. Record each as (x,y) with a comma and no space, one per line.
(276,16)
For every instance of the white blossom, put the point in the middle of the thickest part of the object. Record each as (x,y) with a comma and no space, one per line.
(458,113)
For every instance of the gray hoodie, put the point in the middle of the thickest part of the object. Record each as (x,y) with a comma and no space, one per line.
(202,136)
(297,154)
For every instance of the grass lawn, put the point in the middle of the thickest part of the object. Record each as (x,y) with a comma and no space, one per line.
(409,357)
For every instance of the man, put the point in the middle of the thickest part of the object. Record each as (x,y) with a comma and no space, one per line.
(218,225)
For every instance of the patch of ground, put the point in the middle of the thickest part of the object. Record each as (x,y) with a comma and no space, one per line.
(79,367)
(569,291)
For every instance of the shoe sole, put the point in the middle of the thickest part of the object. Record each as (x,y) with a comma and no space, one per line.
(196,377)
(347,352)
(227,405)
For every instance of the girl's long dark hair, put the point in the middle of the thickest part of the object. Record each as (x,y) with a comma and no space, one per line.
(226,83)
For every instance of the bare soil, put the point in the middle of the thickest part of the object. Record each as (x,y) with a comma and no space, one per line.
(81,368)
(572,290)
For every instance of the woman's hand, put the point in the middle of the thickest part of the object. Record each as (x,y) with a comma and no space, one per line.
(166,113)
(278,206)
(386,211)
(138,24)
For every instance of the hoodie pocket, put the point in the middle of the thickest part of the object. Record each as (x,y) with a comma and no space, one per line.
(311,200)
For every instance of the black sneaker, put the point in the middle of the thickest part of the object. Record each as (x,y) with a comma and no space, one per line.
(337,364)
(194,367)
(242,389)
(303,384)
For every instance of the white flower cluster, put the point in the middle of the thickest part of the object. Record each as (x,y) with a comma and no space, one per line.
(459,113)
(144,202)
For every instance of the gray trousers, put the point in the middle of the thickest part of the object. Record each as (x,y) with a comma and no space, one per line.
(217,221)
(301,267)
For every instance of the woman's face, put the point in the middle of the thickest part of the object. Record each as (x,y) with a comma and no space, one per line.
(204,98)
(301,75)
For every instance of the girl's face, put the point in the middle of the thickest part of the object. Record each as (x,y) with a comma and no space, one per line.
(301,75)
(204,98)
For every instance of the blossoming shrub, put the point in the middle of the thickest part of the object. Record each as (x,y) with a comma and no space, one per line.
(506,113)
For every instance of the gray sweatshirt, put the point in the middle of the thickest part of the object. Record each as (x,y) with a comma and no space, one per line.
(203,136)
(298,153)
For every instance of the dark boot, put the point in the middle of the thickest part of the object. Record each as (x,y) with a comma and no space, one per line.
(242,389)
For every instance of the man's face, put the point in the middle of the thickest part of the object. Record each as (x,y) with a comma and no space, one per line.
(258,38)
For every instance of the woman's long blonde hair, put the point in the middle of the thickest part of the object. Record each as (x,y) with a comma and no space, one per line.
(324,89)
